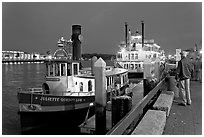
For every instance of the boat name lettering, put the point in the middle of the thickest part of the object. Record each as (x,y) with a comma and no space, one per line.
(49,99)
(57,99)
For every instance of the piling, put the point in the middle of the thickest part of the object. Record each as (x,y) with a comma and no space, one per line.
(100,97)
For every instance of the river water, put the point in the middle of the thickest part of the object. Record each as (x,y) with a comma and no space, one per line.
(15,76)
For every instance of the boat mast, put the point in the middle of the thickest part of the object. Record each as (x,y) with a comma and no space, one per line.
(126,39)
(142,33)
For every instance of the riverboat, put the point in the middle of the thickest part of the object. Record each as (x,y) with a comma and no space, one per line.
(68,94)
(135,50)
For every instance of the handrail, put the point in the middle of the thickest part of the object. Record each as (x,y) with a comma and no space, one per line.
(123,124)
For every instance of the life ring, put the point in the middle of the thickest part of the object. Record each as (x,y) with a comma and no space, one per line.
(32,107)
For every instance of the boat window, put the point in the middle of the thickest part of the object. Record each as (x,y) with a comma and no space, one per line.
(132,56)
(75,69)
(107,79)
(57,69)
(135,66)
(136,56)
(89,85)
(81,86)
(68,70)
(51,69)
(132,66)
(63,70)
(124,66)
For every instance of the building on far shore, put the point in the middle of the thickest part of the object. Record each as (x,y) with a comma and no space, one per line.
(19,55)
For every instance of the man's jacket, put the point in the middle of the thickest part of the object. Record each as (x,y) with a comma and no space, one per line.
(184,69)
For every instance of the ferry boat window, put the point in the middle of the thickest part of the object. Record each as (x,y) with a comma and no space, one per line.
(132,56)
(136,56)
(132,66)
(135,66)
(125,66)
(81,86)
(89,85)
(134,47)
(63,70)
(57,70)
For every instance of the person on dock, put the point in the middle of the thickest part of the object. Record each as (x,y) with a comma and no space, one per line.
(183,74)
(198,67)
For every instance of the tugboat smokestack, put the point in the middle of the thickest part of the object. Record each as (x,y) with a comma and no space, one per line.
(126,33)
(76,52)
(142,33)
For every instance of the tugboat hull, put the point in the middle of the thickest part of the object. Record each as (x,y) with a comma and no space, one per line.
(60,122)
(48,113)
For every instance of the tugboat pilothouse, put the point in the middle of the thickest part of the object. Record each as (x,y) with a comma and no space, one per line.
(68,91)
(135,50)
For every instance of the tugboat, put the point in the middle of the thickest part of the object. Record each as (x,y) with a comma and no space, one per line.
(135,50)
(68,93)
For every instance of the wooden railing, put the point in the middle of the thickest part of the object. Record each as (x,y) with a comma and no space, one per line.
(126,121)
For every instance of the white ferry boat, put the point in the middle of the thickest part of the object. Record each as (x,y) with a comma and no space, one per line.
(135,50)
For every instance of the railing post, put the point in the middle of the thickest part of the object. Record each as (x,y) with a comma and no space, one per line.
(100,97)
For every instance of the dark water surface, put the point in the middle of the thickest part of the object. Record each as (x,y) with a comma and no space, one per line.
(15,76)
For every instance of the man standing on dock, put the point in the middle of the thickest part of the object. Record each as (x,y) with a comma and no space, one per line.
(184,71)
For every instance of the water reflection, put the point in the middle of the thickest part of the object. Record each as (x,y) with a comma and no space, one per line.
(13,77)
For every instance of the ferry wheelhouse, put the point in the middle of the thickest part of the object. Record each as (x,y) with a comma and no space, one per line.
(68,91)
(135,51)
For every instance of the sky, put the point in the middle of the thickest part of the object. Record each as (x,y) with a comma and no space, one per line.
(36,27)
